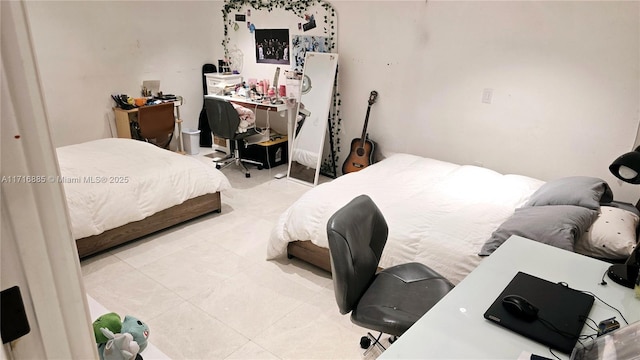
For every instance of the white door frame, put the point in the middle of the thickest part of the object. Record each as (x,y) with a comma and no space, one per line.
(38,252)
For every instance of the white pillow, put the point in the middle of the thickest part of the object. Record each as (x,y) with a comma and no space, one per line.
(612,235)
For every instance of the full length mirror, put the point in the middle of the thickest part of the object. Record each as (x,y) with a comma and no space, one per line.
(313,111)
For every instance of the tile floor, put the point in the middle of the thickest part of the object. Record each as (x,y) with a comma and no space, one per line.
(207,292)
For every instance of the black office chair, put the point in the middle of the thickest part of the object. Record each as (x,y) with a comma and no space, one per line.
(224,121)
(388,301)
(156,124)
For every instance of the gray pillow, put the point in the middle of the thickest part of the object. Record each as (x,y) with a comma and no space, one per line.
(582,191)
(556,225)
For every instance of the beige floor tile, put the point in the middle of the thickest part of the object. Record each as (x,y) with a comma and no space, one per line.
(133,293)
(253,300)
(310,332)
(186,332)
(196,268)
(248,239)
(251,351)
(155,246)
(226,220)
(102,266)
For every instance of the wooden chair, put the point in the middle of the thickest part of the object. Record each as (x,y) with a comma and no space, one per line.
(157,124)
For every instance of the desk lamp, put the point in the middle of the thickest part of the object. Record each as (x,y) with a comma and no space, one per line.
(627,169)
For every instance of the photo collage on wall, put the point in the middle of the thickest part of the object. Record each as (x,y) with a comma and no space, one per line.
(303,43)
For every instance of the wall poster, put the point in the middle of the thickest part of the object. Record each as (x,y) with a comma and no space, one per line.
(272,46)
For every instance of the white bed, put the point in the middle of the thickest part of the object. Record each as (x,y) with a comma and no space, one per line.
(438,213)
(115,186)
(445,215)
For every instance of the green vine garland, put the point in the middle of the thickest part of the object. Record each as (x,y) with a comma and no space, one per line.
(299,8)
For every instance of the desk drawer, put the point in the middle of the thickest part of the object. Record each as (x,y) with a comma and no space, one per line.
(214,79)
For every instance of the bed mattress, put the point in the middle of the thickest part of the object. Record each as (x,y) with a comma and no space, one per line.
(112,182)
(438,213)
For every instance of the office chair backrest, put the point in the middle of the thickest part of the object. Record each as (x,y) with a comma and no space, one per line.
(357,235)
(223,117)
(157,123)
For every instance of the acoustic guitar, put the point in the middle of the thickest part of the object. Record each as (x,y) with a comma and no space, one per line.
(361,154)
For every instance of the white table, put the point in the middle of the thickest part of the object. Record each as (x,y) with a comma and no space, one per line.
(287,108)
(456,328)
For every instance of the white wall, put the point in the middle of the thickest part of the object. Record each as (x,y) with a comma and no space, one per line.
(88,50)
(565,75)
(565,79)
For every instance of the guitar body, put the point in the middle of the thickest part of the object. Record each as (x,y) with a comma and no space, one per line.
(360,156)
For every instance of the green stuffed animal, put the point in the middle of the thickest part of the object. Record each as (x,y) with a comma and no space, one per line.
(138,329)
(109,321)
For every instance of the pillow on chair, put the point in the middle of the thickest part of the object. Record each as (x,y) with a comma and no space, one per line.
(247,117)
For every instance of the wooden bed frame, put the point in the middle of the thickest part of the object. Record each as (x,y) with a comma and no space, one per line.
(189,209)
(311,253)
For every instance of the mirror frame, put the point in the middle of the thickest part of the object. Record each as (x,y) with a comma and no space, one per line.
(319,115)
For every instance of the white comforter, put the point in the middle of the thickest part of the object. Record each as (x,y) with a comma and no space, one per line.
(112,182)
(438,213)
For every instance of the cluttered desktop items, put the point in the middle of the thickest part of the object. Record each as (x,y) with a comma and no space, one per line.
(623,343)
(127,102)
(262,91)
(150,95)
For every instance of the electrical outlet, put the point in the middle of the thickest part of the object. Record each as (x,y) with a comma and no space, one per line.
(487,95)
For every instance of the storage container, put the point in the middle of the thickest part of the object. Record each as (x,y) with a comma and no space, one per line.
(191,141)
(269,153)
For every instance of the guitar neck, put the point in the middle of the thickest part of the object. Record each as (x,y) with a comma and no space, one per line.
(364,128)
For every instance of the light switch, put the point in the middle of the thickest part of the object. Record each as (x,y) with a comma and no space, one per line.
(487,94)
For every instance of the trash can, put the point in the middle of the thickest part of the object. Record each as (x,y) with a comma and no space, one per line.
(191,141)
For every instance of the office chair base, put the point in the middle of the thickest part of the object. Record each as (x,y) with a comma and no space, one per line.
(230,159)
(365,342)
(370,342)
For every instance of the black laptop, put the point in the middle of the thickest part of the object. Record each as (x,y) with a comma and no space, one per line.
(561,315)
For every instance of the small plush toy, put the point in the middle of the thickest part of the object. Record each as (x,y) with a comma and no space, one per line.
(110,321)
(138,329)
(118,347)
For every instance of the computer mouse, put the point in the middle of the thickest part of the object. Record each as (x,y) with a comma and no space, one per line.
(520,307)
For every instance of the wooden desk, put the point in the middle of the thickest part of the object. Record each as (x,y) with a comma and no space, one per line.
(123,121)
(456,329)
